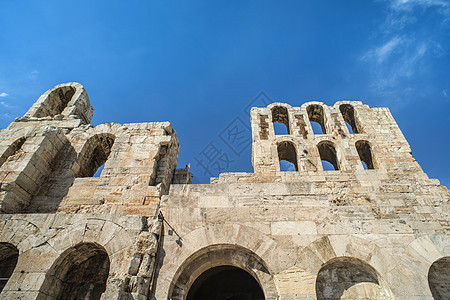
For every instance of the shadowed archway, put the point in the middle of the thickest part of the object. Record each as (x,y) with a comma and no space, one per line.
(80,272)
(225,283)
(211,273)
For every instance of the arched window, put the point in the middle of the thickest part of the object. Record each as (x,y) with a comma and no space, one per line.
(316,118)
(8,260)
(439,278)
(56,102)
(280,118)
(287,155)
(349,278)
(94,154)
(11,150)
(365,154)
(79,272)
(327,154)
(348,113)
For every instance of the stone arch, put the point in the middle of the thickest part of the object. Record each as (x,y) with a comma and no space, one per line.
(80,272)
(239,236)
(287,151)
(9,255)
(30,170)
(411,273)
(280,114)
(349,278)
(219,255)
(327,152)
(316,113)
(55,102)
(316,255)
(365,153)
(22,234)
(12,149)
(95,153)
(348,113)
(439,278)
(111,236)
(67,99)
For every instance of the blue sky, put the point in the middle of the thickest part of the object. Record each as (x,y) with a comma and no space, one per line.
(199,64)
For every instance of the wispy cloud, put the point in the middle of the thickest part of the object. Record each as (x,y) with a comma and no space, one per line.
(6,105)
(33,74)
(400,51)
(409,4)
(3,95)
(383,52)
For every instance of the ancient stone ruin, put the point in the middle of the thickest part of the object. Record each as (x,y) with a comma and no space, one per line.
(352,217)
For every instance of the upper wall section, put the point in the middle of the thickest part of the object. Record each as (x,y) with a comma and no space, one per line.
(53,160)
(66,105)
(345,137)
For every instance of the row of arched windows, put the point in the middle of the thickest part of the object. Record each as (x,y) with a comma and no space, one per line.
(91,158)
(287,155)
(316,116)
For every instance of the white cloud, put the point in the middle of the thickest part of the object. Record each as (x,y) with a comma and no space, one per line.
(383,52)
(6,105)
(33,74)
(444,93)
(400,54)
(3,95)
(410,4)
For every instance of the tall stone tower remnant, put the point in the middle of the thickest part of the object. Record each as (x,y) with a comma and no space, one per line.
(353,216)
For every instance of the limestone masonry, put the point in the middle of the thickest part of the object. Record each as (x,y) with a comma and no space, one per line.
(373,227)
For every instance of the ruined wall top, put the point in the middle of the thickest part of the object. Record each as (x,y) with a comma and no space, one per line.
(66,105)
(316,139)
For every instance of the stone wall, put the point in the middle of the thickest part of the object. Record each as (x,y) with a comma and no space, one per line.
(374,226)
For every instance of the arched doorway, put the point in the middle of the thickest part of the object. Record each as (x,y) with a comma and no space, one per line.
(79,272)
(223,271)
(225,283)
(349,278)
(8,260)
(439,278)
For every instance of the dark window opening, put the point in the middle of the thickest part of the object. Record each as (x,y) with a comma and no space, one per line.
(348,278)
(316,114)
(225,282)
(328,153)
(95,153)
(79,273)
(439,278)
(348,113)
(288,153)
(56,102)
(12,150)
(280,115)
(365,154)
(8,261)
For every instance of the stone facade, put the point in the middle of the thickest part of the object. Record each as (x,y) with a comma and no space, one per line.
(375,227)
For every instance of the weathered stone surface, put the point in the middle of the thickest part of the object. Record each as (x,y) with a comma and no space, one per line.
(140,230)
